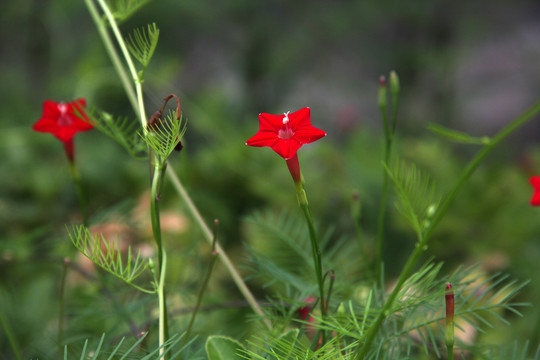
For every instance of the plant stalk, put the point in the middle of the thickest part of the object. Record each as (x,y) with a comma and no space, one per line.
(113,55)
(125,52)
(159,171)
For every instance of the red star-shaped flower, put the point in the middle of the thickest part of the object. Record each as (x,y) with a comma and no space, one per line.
(286,133)
(535,182)
(63,119)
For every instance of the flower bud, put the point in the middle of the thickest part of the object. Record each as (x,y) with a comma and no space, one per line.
(382,92)
(394,83)
(449,299)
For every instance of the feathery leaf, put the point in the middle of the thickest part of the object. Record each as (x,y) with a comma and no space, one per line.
(142,44)
(163,139)
(107,255)
(123,9)
(416,193)
(121,130)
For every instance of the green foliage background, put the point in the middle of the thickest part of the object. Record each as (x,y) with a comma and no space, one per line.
(468,66)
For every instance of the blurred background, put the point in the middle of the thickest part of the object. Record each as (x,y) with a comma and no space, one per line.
(472,66)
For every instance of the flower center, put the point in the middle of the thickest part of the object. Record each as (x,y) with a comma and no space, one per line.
(285,133)
(64,119)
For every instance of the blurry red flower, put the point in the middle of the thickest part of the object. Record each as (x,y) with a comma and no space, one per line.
(286,133)
(304,311)
(535,182)
(63,119)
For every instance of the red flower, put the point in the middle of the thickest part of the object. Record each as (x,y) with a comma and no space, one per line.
(535,182)
(304,311)
(286,133)
(63,120)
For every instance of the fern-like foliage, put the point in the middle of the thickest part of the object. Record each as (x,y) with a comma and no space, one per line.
(107,255)
(166,136)
(142,44)
(415,323)
(122,351)
(280,249)
(122,130)
(416,194)
(123,9)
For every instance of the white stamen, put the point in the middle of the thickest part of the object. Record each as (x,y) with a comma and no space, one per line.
(286,118)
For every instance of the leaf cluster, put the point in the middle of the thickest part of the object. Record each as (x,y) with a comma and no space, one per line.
(416,193)
(108,255)
(416,323)
(166,136)
(123,130)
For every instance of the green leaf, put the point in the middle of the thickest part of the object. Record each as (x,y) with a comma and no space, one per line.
(142,44)
(416,193)
(107,255)
(285,345)
(224,348)
(458,136)
(123,9)
(122,130)
(164,138)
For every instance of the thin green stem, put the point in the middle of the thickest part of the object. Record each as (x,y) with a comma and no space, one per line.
(163,325)
(316,251)
(125,52)
(374,327)
(423,240)
(113,54)
(159,171)
(316,254)
(61,307)
(222,254)
(200,296)
(382,207)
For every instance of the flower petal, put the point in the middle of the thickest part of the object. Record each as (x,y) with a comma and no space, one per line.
(270,122)
(535,182)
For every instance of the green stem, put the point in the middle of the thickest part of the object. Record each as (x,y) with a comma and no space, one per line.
(61,308)
(159,171)
(200,296)
(222,254)
(450,352)
(316,251)
(125,52)
(113,54)
(75,176)
(163,325)
(374,327)
(423,240)
(382,208)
